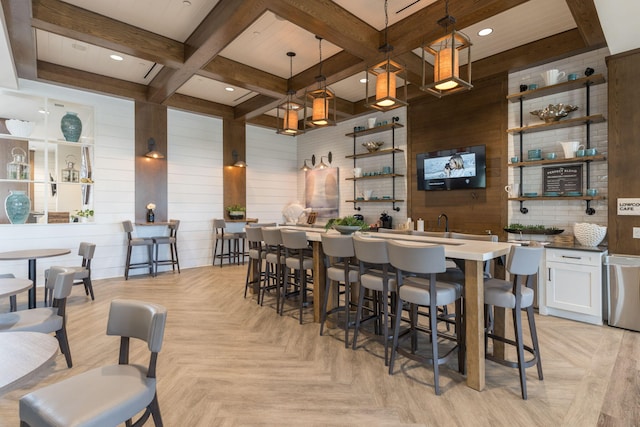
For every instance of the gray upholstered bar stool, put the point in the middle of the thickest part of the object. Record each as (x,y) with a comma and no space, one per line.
(416,268)
(172,241)
(137,242)
(375,274)
(222,236)
(274,270)
(522,264)
(338,251)
(299,258)
(257,254)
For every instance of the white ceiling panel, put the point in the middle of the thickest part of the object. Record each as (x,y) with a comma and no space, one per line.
(93,59)
(372,11)
(175,19)
(214,91)
(265,43)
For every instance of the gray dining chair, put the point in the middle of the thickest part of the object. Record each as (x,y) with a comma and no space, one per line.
(108,395)
(82,272)
(46,319)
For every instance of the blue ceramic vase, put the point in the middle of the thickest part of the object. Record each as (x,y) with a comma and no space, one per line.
(17,206)
(71,126)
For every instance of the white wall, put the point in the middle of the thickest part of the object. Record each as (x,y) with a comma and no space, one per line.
(561,214)
(194,185)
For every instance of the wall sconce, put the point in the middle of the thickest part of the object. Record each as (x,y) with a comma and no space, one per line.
(153,153)
(322,164)
(305,167)
(237,163)
(445,55)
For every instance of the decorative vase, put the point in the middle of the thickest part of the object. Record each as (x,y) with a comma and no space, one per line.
(17,206)
(71,126)
(151,216)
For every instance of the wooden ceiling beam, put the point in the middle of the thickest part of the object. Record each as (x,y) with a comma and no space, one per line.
(201,106)
(70,21)
(221,26)
(17,15)
(586,16)
(255,106)
(92,82)
(237,74)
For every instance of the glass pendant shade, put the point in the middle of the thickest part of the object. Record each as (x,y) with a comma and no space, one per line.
(445,53)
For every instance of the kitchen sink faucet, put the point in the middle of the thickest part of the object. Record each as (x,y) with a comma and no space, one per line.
(446,221)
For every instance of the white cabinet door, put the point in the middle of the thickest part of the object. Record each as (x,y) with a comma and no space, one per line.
(574,281)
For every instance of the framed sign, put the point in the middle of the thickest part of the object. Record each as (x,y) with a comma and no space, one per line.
(562,179)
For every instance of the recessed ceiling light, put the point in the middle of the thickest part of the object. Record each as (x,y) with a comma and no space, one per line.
(229,89)
(116,57)
(186,2)
(363,80)
(485,32)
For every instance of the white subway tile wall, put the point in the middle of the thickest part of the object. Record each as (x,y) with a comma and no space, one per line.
(560,213)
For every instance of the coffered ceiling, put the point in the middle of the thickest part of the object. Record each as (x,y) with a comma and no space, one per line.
(228,57)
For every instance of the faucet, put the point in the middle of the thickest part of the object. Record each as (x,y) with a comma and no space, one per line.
(446,221)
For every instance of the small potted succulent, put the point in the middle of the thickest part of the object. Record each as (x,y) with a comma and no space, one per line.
(236,211)
(84,215)
(347,224)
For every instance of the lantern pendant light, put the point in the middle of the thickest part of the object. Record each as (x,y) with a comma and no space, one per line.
(289,108)
(387,72)
(321,101)
(445,55)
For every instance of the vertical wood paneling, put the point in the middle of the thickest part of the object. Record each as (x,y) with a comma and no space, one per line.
(624,149)
(234,178)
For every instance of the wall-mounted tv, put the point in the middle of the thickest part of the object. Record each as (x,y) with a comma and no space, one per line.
(452,169)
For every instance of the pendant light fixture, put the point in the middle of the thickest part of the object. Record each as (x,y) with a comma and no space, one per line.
(445,54)
(387,73)
(289,107)
(321,101)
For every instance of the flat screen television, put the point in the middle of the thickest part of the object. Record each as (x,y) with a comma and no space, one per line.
(452,169)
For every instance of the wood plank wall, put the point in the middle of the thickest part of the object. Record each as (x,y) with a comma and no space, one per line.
(624,148)
(151,174)
(234,178)
(471,118)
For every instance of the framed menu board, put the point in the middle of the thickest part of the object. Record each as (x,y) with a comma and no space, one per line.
(562,179)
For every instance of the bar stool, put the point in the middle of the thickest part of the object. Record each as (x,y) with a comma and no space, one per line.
(221,237)
(133,242)
(376,275)
(523,263)
(257,254)
(338,251)
(172,241)
(416,268)
(274,271)
(298,257)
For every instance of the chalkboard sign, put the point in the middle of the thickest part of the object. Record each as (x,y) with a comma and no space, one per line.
(562,179)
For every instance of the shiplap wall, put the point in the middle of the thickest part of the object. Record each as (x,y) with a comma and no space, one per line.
(194,186)
(332,139)
(561,214)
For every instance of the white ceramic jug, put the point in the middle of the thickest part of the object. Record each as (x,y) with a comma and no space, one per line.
(552,77)
(357,172)
(570,148)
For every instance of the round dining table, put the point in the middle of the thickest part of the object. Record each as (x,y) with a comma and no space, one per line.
(32,255)
(23,354)
(10,287)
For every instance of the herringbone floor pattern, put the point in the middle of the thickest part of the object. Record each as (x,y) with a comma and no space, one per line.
(229,362)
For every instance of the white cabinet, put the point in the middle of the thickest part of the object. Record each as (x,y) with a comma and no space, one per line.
(55,171)
(574,287)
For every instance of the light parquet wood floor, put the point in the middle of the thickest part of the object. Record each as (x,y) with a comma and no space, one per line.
(229,362)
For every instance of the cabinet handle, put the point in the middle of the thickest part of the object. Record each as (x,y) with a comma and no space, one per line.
(549,274)
(571,257)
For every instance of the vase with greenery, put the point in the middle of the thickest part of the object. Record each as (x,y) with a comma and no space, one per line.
(84,215)
(347,224)
(236,211)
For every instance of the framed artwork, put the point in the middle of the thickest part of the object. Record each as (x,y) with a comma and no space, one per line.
(321,192)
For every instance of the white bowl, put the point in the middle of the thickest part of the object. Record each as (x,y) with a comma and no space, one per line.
(589,234)
(19,127)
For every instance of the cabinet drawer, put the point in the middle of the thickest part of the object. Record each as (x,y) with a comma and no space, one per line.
(574,257)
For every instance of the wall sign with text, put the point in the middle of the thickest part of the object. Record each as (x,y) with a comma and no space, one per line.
(562,179)
(628,206)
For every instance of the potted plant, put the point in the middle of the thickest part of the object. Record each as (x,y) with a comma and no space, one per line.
(84,215)
(347,224)
(236,211)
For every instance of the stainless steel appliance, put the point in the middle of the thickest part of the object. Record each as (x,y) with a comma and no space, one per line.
(623,273)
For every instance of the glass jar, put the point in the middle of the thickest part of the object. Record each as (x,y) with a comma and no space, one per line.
(18,168)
